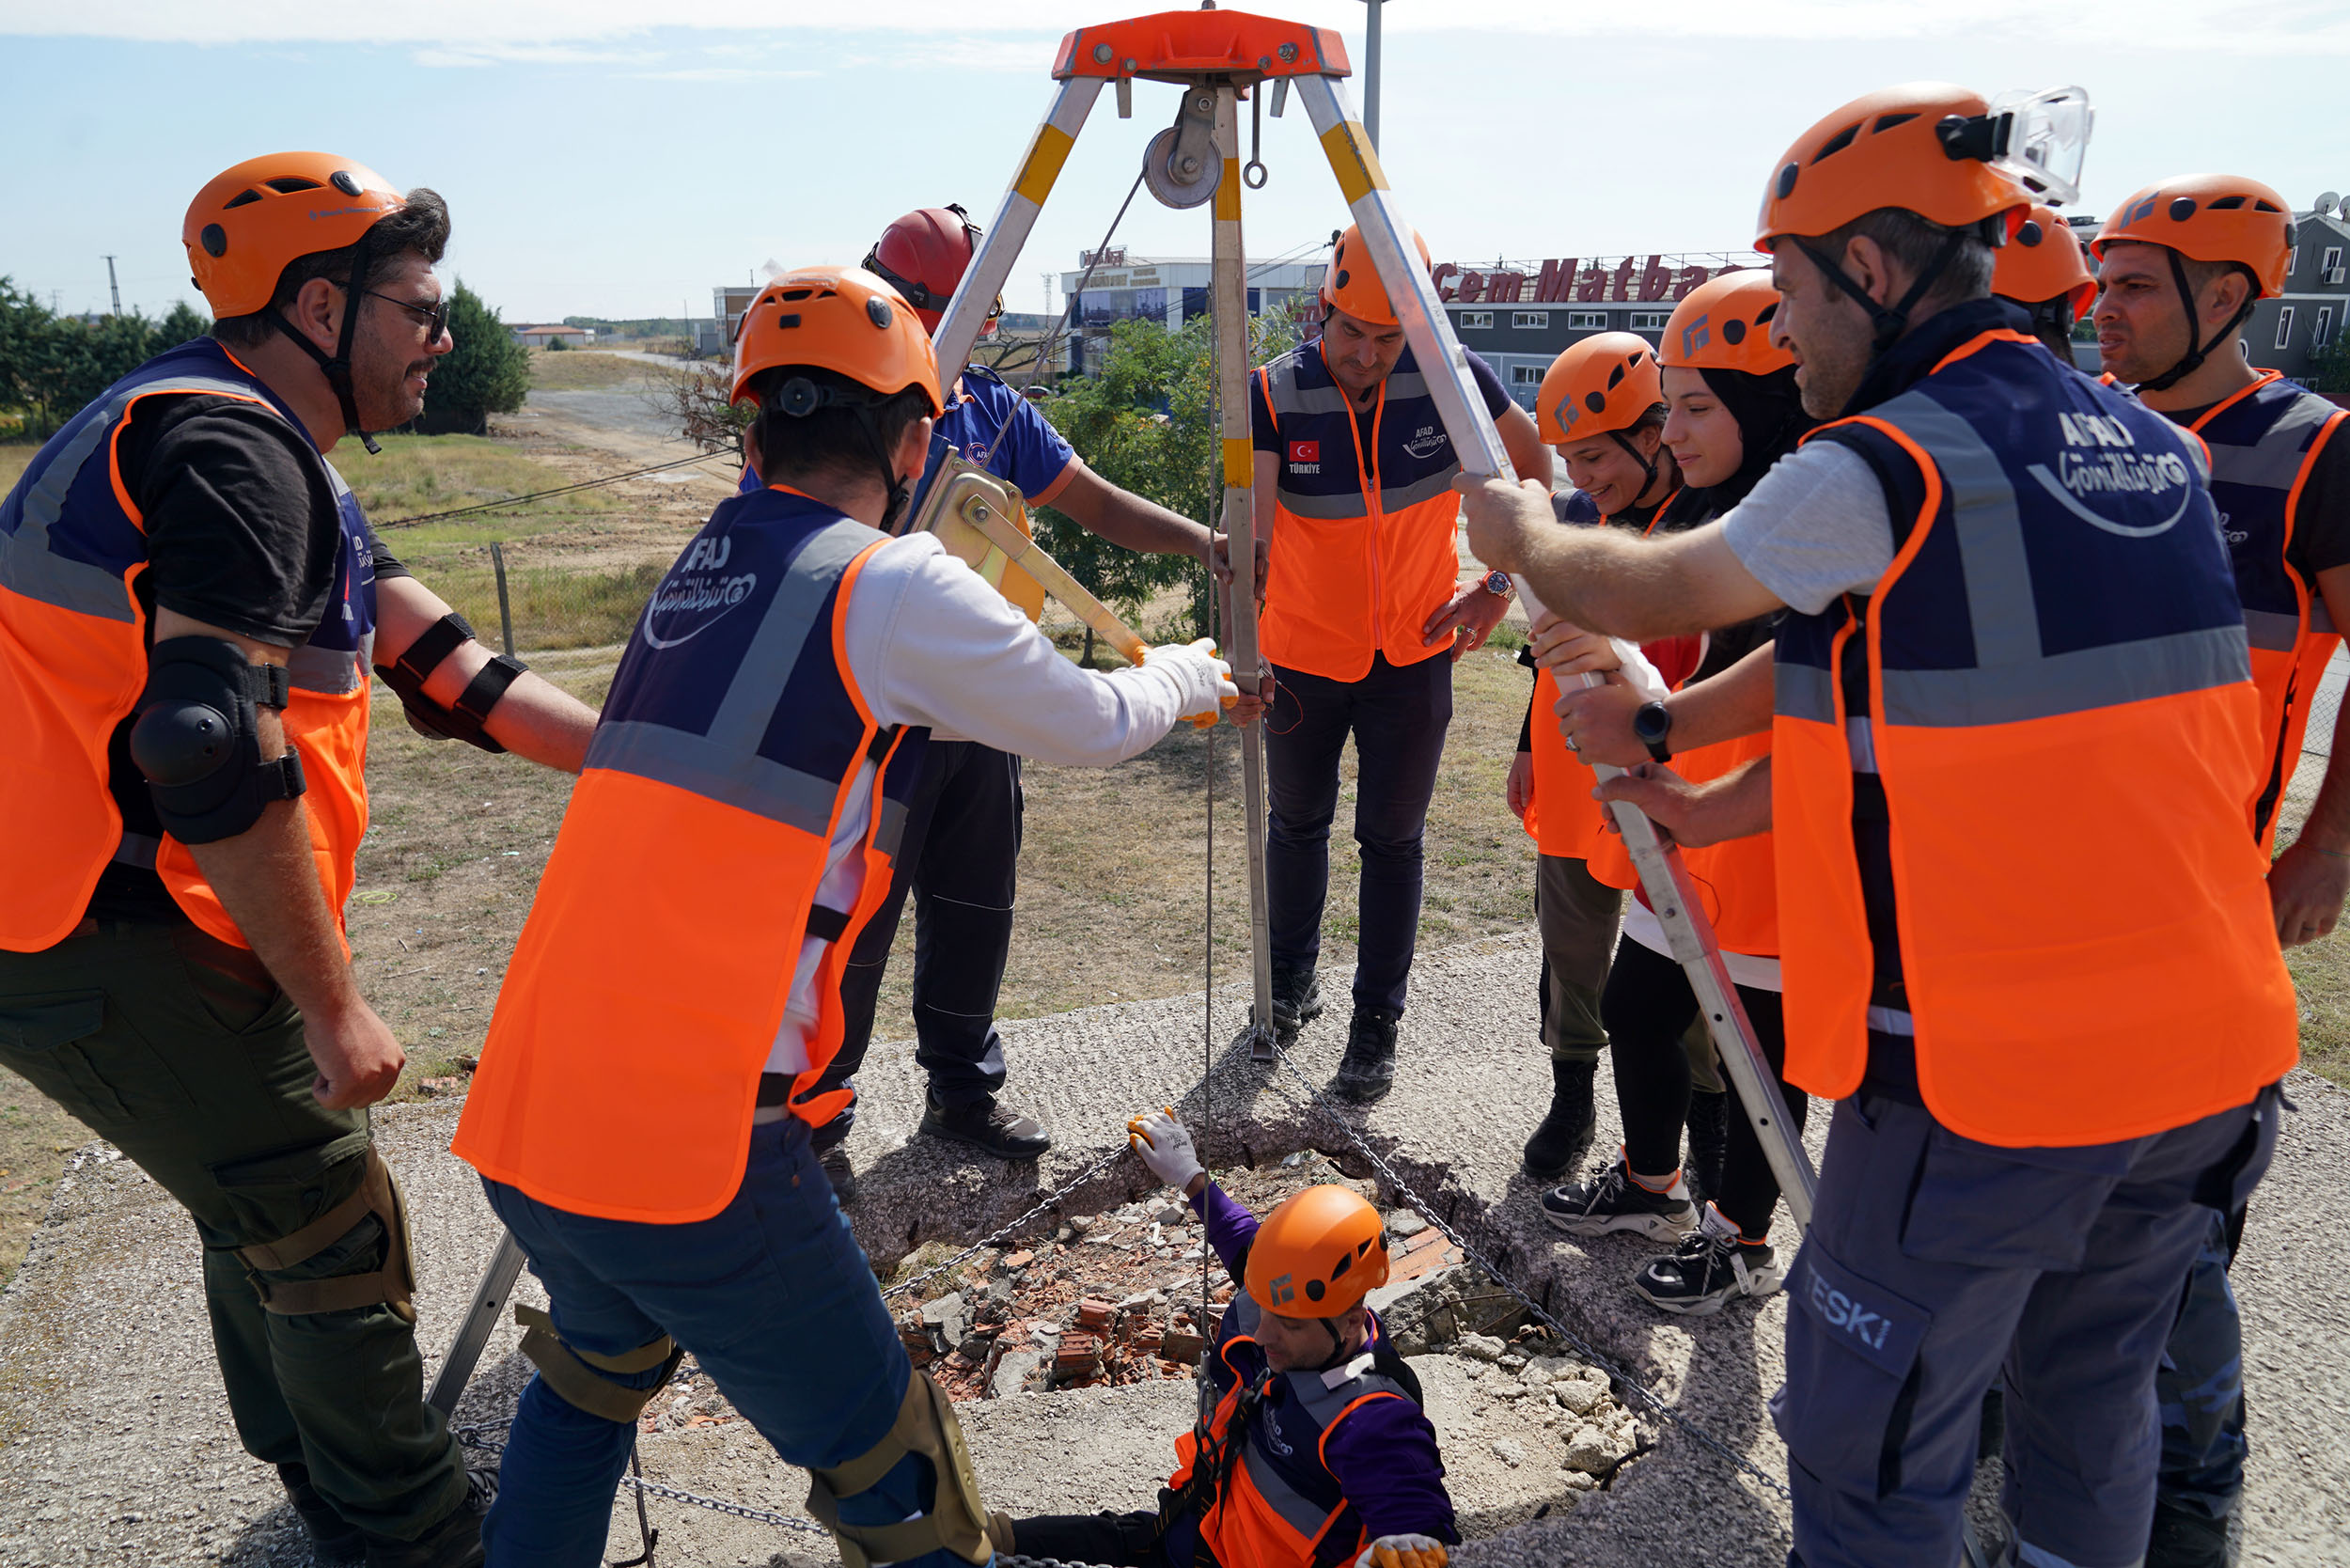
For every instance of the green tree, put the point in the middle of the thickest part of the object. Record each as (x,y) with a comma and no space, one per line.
(1148,423)
(182,323)
(486,373)
(50,366)
(2330,367)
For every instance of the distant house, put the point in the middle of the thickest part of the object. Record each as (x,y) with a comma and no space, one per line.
(547,337)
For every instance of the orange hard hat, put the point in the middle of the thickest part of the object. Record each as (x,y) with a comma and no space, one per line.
(1604,382)
(839,318)
(2046,260)
(1925,148)
(248,222)
(924,254)
(1724,323)
(2210,217)
(1352,285)
(1318,1253)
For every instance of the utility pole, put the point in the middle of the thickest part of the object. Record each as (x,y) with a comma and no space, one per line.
(1370,73)
(112,286)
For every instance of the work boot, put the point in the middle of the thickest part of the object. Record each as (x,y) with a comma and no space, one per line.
(1366,1071)
(841,1173)
(1709,1143)
(1565,1135)
(1296,999)
(986,1125)
(334,1542)
(454,1543)
(2185,1537)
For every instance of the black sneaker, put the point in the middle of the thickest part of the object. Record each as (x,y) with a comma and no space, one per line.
(1296,999)
(1709,1143)
(1565,1137)
(2185,1537)
(1614,1201)
(454,1543)
(841,1173)
(334,1542)
(1366,1071)
(986,1125)
(1712,1263)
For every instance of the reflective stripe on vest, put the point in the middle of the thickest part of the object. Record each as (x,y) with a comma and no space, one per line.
(1362,555)
(2264,439)
(650,983)
(1284,1511)
(73,661)
(2060,720)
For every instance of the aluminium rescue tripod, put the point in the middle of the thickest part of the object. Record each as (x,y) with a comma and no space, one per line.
(1216,56)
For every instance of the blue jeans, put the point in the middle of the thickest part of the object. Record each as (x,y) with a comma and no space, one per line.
(1934,1260)
(773,1299)
(1398,714)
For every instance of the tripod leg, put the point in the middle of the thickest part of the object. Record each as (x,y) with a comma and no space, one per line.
(489,1304)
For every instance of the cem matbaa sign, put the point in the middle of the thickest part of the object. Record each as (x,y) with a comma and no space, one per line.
(1573,280)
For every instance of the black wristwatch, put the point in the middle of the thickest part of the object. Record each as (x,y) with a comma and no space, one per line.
(1499,585)
(1653,722)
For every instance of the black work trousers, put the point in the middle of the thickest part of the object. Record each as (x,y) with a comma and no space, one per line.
(1647,1008)
(959,859)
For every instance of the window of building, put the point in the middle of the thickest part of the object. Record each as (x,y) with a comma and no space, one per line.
(1587,320)
(1470,319)
(1650,321)
(1526,375)
(2284,326)
(2330,270)
(2323,333)
(1526,320)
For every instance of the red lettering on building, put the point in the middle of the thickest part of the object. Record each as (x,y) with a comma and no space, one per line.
(1505,288)
(1622,282)
(1556,279)
(1437,277)
(1655,278)
(1689,278)
(1472,288)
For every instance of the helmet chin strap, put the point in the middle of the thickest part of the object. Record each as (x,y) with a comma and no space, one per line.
(1891,320)
(1647,464)
(338,370)
(2195,354)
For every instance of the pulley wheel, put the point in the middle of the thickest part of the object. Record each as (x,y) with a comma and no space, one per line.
(1175,187)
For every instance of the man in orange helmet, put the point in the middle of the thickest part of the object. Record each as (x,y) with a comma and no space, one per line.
(190,601)
(1363,621)
(960,859)
(2053,1030)
(1310,1448)
(2044,268)
(2184,264)
(644,1111)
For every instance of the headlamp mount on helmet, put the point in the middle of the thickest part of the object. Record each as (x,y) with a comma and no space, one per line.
(798,397)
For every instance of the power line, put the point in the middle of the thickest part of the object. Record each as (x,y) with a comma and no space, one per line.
(543,495)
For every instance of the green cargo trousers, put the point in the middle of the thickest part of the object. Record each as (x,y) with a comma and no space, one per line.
(181,1051)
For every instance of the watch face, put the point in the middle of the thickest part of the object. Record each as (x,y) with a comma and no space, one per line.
(1651,721)
(1498,581)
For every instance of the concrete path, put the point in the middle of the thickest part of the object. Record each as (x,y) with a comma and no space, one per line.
(118,1447)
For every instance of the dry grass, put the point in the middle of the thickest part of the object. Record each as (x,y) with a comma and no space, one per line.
(587,370)
(418,475)
(15,456)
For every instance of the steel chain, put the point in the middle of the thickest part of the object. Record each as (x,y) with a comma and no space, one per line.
(1643,1393)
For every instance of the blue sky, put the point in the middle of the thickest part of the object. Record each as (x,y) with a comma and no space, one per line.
(600,160)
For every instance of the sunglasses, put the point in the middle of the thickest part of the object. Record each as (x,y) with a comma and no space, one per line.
(435,317)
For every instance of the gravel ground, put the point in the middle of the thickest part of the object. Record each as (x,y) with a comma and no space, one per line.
(118,1447)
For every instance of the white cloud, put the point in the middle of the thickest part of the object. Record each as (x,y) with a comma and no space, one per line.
(940,29)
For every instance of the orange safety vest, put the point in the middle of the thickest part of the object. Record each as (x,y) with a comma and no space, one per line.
(1362,554)
(1738,878)
(2263,441)
(73,641)
(624,1063)
(1570,829)
(2009,784)
(1280,1506)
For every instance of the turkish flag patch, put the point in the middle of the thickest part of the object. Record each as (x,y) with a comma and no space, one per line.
(1304,452)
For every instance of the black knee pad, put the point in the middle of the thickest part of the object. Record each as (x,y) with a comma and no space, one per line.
(198,739)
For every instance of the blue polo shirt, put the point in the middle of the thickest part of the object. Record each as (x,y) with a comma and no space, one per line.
(992,425)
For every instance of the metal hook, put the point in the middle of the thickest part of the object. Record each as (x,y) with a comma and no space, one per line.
(1255,174)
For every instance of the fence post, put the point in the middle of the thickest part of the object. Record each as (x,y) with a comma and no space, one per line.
(505,613)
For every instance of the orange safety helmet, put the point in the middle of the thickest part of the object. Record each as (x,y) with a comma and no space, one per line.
(1352,285)
(1724,323)
(1597,386)
(924,254)
(2209,217)
(1317,1254)
(2046,260)
(839,318)
(248,222)
(1925,148)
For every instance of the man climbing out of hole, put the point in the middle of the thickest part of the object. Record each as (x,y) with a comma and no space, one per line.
(1311,1449)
